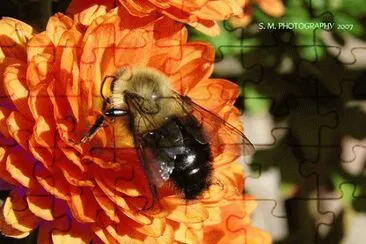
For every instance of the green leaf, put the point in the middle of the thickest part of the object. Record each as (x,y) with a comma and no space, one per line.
(253,102)
(335,4)
(347,190)
(310,51)
(354,7)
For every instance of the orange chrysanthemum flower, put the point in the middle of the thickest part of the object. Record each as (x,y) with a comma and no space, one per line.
(50,95)
(273,8)
(201,14)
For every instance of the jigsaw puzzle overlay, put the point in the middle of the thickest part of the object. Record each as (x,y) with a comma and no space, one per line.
(300,66)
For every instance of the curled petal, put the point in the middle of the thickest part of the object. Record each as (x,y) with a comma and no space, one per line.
(4,114)
(16,212)
(110,208)
(54,183)
(67,230)
(15,86)
(4,173)
(14,35)
(83,205)
(8,230)
(19,128)
(44,205)
(87,16)
(21,166)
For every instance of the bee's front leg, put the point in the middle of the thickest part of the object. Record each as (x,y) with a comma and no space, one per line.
(111,113)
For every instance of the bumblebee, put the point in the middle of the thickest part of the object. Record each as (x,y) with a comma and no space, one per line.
(173,135)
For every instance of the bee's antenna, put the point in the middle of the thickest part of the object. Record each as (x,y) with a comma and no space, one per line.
(102,85)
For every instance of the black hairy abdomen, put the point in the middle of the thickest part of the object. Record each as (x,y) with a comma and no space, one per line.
(180,141)
(192,177)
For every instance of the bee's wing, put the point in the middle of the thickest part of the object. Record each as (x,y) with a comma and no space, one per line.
(217,132)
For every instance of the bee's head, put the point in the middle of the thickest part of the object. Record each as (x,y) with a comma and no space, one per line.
(142,103)
(145,91)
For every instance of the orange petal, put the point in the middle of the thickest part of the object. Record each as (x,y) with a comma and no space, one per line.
(166,237)
(216,191)
(138,217)
(8,230)
(4,114)
(234,225)
(234,173)
(186,234)
(44,133)
(112,194)
(39,74)
(103,235)
(125,41)
(73,174)
(154,229)
(67,230)
(41,153)
(127,180)
(138,8)
(108,206)
(71,154)
(14,37)
(4,174)
(196,65)
(88,15)
(214,94)
(53,182)
(20,165)
(83,205)
(240,21)
(256,236)
(20,128)
(272,7)
(65,95)
(41,45)
(111,231)
(218,10)
(187,5)
(15,86)
(207,27)
(57,25)
(183,211)
(16,212)
(77,6)
(44,205)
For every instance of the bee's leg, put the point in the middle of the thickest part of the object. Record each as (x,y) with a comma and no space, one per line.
(96,126)
(112,113)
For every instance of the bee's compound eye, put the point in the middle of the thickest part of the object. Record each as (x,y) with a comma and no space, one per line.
(150,136)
